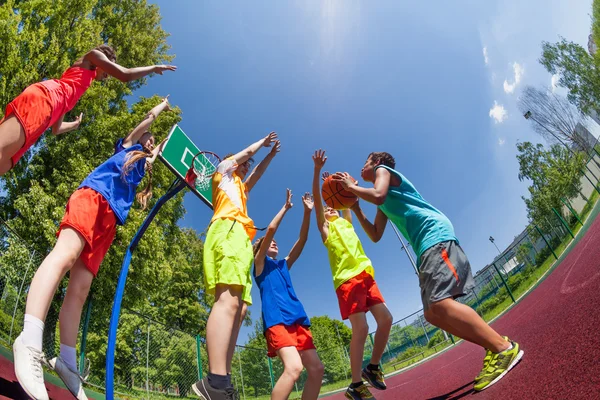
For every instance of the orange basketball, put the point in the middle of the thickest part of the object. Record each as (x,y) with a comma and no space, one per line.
(335,196)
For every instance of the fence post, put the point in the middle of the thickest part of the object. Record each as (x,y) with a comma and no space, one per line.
(271,372)
(86,324)
(566,203)
(147,360)
(241,375)
(198,357)
(505,284)
(19,296)
(423,326)
(563,222)
(537,228)
(476,299)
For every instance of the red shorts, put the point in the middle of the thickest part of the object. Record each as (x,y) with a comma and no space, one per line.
(89,214)
(358,294)
(33,109)
(280,336)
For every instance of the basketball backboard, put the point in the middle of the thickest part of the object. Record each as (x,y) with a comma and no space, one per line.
(177,155)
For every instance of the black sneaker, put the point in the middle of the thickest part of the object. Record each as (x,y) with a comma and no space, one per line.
(205,391)
(374,377)
(359,393)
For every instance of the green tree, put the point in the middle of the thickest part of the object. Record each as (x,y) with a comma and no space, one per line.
(332,339)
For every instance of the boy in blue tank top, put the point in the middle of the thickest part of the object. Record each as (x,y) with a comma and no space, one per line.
(285,322)
(444,270)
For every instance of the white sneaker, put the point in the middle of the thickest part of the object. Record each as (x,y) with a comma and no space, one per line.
(69,377)
(28,368)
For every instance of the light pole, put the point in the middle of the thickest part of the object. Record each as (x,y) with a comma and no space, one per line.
(492,240)
(405,248)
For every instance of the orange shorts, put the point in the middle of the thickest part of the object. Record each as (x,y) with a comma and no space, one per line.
(280,336)
(33,109)
(89,214)
(358,294)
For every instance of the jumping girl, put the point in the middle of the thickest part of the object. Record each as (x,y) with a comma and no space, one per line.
(86,232)
(44,104)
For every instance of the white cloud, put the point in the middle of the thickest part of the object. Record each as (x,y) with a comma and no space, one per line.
(501,141)
(485,56)
(498,113)
(519,71)
(554,81)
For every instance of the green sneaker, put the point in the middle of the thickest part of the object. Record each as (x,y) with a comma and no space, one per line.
(486,362)
(499,365)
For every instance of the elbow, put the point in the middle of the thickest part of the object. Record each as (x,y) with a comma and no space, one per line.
(379,199)
(124,75)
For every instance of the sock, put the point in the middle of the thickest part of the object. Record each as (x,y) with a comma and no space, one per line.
(354,385)
(218,381)
(68,355)
(373,367)
(33,331)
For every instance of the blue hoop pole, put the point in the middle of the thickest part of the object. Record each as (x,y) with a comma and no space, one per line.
(176,187)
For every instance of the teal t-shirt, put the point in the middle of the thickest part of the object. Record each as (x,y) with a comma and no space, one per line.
(421,224)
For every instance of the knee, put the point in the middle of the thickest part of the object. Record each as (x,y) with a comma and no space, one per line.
(386,321)
(316,370)
(78,293)
(360,330)
(293,370)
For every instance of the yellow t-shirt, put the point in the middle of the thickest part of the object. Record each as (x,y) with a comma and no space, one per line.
(347,258)
(229,196)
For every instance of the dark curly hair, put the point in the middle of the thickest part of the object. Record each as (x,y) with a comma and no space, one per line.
(108,51)
(383,158)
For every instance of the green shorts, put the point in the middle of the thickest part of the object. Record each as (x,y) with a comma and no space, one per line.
(228,257)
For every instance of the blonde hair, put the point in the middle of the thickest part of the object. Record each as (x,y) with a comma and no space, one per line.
(132,158)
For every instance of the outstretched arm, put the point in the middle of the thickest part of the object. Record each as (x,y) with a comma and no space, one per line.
(260,169)
(251,150)
(155,152)
(373,230)
(135,135)
(376,195)
(319,159)
(99,59)
(259,258)
(308,202)
(61,126)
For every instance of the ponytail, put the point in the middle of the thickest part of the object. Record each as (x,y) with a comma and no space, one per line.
(145,195)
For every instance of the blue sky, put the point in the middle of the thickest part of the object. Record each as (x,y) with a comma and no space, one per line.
(351,77)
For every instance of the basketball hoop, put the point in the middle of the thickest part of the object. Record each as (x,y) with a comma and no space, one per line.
(204,166)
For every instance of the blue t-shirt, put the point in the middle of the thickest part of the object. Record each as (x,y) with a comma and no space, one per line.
(422,224)
(280,305)
(118,190)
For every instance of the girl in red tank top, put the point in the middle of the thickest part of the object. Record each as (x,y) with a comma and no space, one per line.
(44,104)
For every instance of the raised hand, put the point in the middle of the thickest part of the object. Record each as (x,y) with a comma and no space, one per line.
(325,175)
(166,102)
(276,147)
(319,158)
(308,201)
(159,69)
(77,121)
(288,200)
(270,138)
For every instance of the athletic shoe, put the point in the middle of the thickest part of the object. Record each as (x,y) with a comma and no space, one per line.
(486,362)
(71,378)
(374,377)
(28,369)
(205,391)
(499,365)
(359,393)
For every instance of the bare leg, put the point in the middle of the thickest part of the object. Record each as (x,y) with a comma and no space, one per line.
(54,267)
(12,139)
(360,331)
(314,368)
(292,368)
(383,317)
(465,322)
(80,281)
(434,320)
(233,342)
(222,323)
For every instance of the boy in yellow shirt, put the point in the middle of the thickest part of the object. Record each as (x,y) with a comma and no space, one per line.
(357,292)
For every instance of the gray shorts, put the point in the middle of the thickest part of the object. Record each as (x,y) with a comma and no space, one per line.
(444,272)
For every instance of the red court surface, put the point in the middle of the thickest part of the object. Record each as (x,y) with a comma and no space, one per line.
(557,325)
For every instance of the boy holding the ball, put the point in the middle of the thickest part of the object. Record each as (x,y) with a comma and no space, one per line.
(357,292)
(444,270)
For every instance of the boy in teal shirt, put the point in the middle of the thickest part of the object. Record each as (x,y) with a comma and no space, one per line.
(444,270)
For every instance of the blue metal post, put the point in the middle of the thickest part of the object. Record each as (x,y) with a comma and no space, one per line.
(176,187)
